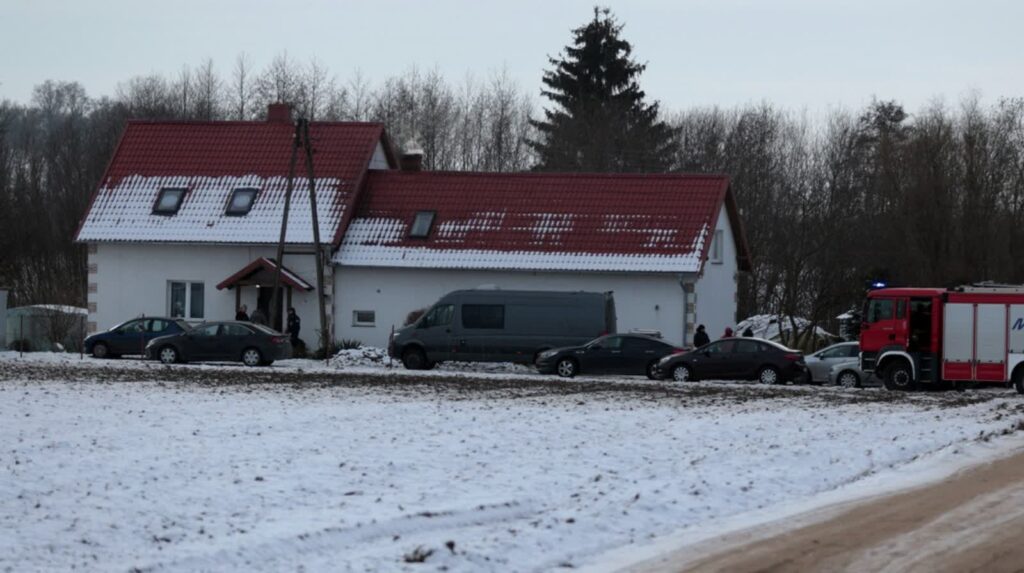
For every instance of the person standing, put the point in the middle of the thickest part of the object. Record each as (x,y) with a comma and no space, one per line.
(294,324)
(728,332)
(700,338)
(749,332)
(242,313)
(259,317)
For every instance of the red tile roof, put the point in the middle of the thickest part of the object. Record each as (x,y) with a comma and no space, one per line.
(540,221)
(213,158)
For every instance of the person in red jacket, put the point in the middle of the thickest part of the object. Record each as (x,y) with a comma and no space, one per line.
(728,332)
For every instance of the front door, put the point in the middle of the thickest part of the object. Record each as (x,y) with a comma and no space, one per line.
(435,332)
(715,361)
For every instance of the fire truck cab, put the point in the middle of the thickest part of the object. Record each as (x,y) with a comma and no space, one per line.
(914,336)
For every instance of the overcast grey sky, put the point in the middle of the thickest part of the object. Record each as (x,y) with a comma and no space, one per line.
(813,54)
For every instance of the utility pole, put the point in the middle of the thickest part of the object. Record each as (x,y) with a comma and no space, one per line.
(325,335)
(275,296)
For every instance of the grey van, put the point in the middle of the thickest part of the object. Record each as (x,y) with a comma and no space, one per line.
(502,326)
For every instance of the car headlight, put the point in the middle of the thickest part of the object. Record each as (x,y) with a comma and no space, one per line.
(547,354)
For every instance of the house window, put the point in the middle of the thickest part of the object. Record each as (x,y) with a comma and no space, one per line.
(185,299)
(364,318)
(483,316)
(716,248)
(168,201)
(241,201)
(421,224)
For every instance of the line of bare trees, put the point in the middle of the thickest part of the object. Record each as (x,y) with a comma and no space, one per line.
(931,197)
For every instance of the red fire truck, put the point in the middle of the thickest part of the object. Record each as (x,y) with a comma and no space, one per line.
(916,336)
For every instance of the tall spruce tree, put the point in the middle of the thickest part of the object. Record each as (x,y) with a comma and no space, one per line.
(600,121)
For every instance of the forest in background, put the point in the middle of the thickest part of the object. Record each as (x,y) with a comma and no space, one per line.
(932,196)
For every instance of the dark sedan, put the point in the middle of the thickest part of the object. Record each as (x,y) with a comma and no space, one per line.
(736,359)
(613,354)
(252,344)
(131,337)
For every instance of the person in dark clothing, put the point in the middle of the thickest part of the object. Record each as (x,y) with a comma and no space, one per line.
(242,314)
(294,324)
(700,338)
(749,332)
(259,317)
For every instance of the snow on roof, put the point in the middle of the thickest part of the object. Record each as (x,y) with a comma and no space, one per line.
(597,222)
(770,326)
(53,308)
(125,212)
(211,159)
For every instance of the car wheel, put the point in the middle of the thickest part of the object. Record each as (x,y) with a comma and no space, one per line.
(168,355)
(252,357)
(768,375)
(848,379)
(566,368)
(100,350)
(900,377)
(682,373)
(652,370)
(414,359)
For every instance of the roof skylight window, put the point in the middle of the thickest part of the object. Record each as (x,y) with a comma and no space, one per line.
(421,224)
(169,201)
(241,201)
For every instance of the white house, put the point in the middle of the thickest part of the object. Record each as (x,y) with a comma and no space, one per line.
(187,218)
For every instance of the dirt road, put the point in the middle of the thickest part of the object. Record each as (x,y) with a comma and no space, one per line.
(973,521)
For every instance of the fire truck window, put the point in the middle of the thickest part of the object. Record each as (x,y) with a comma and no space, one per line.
(880,309)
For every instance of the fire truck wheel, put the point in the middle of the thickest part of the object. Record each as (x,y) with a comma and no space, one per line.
(900,377)
(1018,380)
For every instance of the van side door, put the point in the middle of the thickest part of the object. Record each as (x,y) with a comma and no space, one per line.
(482,336)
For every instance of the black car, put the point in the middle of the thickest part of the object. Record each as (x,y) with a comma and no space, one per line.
(131,337)
(612,354)
(252,344)
(736,359)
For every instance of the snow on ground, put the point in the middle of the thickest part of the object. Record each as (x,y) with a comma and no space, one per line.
(121,465)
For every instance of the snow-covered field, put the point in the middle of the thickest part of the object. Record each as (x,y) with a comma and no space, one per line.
(124,465)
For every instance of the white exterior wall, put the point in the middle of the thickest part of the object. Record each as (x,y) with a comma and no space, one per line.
(716,290)
(649,301)
(130,280)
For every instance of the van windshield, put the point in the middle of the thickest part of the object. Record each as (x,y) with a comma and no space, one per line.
(439,315)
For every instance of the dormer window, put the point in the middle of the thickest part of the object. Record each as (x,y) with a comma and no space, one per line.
(169,201)
(421,225)
(241,201)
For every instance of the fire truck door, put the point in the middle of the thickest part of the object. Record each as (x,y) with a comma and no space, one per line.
(958,342)
(990,343)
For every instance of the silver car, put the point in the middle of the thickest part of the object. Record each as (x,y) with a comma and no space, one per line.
(849,375)
(819,363)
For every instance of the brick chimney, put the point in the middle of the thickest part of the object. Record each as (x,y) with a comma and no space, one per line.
(279,113)
(412,157)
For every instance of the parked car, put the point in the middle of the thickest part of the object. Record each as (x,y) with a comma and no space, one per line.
(252,344)
(613,354)
(736,359)
(131,337)
(493,325)
(820,362)
(849,375)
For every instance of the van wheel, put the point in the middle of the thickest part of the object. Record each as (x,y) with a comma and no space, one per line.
(414,359)
(899,377)
(566,368)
